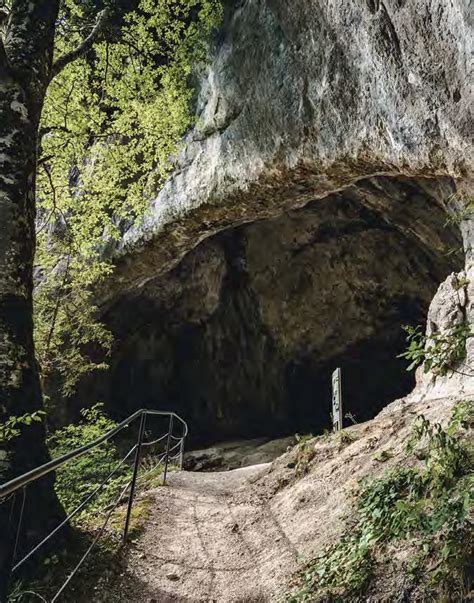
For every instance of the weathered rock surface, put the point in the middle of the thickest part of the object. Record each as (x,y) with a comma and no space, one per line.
(240,453)
(452,305)
(241,338)
(330,140)
(306,98)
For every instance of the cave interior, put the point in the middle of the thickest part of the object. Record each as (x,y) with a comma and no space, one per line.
(242,336)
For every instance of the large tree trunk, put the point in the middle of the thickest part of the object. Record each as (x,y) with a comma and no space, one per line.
(25,66)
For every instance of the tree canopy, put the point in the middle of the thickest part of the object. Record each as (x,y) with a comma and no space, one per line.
(95,96)
(111,124)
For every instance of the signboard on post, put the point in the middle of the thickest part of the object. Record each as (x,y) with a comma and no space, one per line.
(337,400)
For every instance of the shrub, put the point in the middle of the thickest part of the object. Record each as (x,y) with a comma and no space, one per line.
(78,478)
(440,352)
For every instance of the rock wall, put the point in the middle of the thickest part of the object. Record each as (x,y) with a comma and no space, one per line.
(309,205)
(302,99)
(242,336)
(452,306)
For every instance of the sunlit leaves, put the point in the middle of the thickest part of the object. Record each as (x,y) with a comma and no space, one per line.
(441,352)
(111,125)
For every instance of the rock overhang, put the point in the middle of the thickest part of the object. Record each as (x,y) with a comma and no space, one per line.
(303,99)
(364,104)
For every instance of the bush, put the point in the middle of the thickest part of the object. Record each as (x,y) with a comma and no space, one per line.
(78,478)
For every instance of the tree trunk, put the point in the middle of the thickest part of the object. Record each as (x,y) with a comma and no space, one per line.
(25,65)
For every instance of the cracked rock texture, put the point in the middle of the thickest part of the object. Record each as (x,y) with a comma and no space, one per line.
(242,336)
(452,305)
(309,205)
(304,98)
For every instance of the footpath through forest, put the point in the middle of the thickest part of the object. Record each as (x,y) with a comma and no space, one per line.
(242,535)
(211,537)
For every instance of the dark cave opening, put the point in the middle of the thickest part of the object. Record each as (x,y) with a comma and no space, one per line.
(242,336)
(372,376)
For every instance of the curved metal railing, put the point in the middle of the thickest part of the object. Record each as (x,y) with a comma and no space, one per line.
(20,484)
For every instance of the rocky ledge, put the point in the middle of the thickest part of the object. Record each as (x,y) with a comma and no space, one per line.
(303,99)
(310,206)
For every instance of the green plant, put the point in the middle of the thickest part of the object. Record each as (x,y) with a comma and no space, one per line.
(78,478)
(303,439)
(461,283)
(21,593)
(346,438)
(384,456)
(11,428)
(426,505)
(462,208)
(305,453)
(151,472)
(111,127)
(441,352)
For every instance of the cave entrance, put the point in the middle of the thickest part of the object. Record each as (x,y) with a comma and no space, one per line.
(242,337)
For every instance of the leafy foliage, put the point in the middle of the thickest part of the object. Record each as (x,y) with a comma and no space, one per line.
(462,207)
(77,479)
(425,505)
(12,427)
(111,123)
(80,477)
(441,352)
(305,453)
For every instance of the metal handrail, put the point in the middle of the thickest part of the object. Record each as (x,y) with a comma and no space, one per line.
(92,545)
(75,511)
(42,470)
(23,481)
(157,441)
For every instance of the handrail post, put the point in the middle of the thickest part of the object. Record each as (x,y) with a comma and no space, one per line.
(181,454)
(20,522)
(135,472)
(181,449)
(168,441)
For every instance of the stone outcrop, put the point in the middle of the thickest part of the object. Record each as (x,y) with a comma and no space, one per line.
(304,98)
(452,305)
(226,456)
(309,204)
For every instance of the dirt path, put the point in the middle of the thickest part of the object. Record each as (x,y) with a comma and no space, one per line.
(209,538)
(240,536)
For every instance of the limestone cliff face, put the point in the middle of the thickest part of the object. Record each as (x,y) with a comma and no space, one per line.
(309,205)
(453,304)
(304,98)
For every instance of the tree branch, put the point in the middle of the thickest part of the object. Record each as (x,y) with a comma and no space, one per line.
(49,129)
(83,47)
(3,59)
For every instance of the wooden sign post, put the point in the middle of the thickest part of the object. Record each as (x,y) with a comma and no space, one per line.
(337,400)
